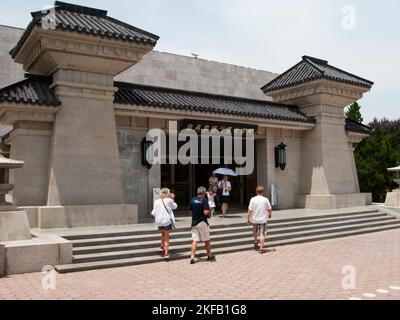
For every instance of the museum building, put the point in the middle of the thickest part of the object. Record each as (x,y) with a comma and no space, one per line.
(93,87)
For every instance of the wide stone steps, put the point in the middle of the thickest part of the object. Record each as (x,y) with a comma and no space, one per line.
(287,222)
(106,250)
(228,234)
(129,237)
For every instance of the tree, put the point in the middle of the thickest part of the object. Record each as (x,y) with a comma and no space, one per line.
(377,153)
(354,113)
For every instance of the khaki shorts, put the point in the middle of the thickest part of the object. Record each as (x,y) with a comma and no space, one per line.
(201,232)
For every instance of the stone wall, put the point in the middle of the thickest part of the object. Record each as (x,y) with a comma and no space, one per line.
(138,181)
(10,72)
(161,69)
(187,73)
(288,180)
(30,142)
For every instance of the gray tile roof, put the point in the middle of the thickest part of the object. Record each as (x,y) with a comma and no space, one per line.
(354,126)
(74,18)
(310,69)
(34,90)
(173,99)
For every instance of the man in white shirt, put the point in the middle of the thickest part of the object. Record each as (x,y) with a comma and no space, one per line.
(258,208)
(226,187)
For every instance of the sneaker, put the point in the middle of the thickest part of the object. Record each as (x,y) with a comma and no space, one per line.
(211,258)
(256,246)
(193,260)
(166,257)
(262,251)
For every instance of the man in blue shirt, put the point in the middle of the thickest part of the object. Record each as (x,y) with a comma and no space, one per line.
(200,229)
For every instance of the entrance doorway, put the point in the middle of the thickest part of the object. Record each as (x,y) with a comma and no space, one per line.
(184,180)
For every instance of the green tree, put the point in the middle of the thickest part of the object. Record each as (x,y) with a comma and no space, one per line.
(354,113)
(377,153)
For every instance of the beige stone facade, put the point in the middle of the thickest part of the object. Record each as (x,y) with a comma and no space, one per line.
(83,156)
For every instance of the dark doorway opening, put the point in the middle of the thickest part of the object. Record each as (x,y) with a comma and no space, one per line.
(184,180)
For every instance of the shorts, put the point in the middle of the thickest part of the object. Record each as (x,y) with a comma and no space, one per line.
(225,199)
(167,228)
(201,232)
(260,229)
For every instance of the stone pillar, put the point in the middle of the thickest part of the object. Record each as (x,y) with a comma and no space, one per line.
(30,141)
(327,177)
(85,186)
(84,162)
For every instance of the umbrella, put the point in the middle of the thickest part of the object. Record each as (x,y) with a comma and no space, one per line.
(226,172)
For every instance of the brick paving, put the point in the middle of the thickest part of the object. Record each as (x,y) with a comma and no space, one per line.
(304,271)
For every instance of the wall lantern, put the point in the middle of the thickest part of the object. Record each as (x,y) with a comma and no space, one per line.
(280,156)
(147,153)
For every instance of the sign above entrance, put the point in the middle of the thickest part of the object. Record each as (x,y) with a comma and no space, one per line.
(198,125)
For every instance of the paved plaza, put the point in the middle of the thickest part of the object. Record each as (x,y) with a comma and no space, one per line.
(305,271)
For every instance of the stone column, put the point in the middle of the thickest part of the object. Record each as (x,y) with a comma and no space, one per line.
(84,175)
(84,162)
(30,141)
(327,165)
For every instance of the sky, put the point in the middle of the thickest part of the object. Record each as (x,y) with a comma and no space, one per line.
(359,36)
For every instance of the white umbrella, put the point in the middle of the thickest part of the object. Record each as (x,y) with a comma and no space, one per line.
(226,172)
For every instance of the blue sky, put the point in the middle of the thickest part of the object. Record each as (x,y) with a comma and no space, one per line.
(267,34)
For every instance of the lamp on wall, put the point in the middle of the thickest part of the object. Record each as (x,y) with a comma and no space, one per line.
(280,156)
(147,153)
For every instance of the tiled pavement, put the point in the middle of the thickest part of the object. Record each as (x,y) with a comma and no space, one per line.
(304,271)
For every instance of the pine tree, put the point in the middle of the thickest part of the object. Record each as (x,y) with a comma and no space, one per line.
(353,113)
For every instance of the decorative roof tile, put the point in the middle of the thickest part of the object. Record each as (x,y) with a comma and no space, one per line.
(134,94)
(34,90)
(353,126)
(75,18)
(310,69)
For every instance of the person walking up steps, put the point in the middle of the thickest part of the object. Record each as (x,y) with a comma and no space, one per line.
(164,217)
(199,209)
(259,211)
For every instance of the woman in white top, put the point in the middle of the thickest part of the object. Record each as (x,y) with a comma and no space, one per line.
(164,217)
(211,200)
(226,187)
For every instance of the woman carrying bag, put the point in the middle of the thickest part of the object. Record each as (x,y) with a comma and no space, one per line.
(163,212)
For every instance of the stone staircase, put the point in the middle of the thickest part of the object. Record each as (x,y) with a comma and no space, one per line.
(117,249)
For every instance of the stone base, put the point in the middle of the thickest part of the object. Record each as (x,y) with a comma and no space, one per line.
(14,226)
(32,255)
(82,216)
(334,201)
(393,199)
